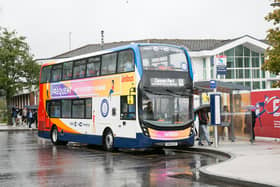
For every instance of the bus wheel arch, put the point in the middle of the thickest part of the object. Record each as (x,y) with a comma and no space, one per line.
(108,139)
(55,136)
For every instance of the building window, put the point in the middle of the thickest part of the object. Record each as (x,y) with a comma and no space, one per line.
(229,52)
(255,62)
(246,52)
(204,69)
(256,73)
(247,62)
(239,74)
(247,84)
(247,73)
(239,51)
(230,74)
(243,63)
(263,85)
(239,62)
(256,85)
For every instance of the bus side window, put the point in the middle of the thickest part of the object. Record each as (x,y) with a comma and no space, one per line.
(54,109)
(79,69)
(125,61)
(108,65)
(128,112)
(93,67)
(56,73)
(67,70)
(46,74)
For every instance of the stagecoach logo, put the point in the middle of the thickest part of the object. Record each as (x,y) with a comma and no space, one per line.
(104,108)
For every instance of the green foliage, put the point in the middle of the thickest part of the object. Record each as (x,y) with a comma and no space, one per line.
(18,70)
(272,62)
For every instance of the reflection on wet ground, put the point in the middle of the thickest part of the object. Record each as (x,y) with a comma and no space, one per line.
(27,160)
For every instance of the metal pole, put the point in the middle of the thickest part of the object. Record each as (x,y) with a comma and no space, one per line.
(215,91)
(102,39)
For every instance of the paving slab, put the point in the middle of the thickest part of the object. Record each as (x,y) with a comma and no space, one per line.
(257,163)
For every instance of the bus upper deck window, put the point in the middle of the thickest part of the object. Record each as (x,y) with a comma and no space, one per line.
(125,61)
(67,70)
(93,67)
(79,69)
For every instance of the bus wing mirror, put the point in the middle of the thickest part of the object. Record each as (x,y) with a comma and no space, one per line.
(130,99)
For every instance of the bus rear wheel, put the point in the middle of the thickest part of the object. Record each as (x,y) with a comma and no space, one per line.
(108,140)
(54,137)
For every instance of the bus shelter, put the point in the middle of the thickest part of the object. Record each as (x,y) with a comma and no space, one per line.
(235,106)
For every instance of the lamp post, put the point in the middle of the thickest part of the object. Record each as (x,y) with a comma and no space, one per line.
(102,39)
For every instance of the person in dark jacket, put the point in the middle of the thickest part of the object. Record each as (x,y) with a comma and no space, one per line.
(148,111)
(253,125)
(203,131)
(250,120)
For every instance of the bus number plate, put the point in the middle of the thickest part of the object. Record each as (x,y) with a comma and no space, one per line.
(171,143)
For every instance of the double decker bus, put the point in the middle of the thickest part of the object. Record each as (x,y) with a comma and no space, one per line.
(134,96)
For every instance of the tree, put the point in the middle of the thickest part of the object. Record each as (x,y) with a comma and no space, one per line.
(272,62)
(18,69)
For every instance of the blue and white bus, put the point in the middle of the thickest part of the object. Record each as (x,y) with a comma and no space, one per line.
(133,96)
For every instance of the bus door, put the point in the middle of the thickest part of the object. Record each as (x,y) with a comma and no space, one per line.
(128,116)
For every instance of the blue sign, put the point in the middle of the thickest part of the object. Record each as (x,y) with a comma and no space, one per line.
(213,84)
(221,70)
(215,106)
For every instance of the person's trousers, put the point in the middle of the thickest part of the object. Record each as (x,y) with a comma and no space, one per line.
(203,133)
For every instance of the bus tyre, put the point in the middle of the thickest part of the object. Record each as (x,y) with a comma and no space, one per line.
(108,140)
(54,137)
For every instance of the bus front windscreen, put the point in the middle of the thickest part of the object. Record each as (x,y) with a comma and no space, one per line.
(166,110)
(163,58)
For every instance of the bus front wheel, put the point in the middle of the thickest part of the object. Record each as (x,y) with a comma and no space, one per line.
(108,140)
(54,137)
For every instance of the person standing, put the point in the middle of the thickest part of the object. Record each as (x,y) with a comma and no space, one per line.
(250,120)
(35,118)
(14,116)
(24,116)
(253,126)
(203,131)
(30,118)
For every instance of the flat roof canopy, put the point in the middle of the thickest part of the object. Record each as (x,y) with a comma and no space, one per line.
(227,87)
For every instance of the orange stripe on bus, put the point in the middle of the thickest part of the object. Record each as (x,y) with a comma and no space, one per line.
(63,126)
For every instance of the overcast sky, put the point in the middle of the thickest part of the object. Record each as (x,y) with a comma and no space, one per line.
(47,23)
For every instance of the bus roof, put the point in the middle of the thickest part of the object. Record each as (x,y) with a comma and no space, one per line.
(105,51)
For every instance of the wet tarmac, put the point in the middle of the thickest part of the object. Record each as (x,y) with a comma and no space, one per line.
(26,160)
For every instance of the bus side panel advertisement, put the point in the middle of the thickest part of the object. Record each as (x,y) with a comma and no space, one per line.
(267,106)
(107,86)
